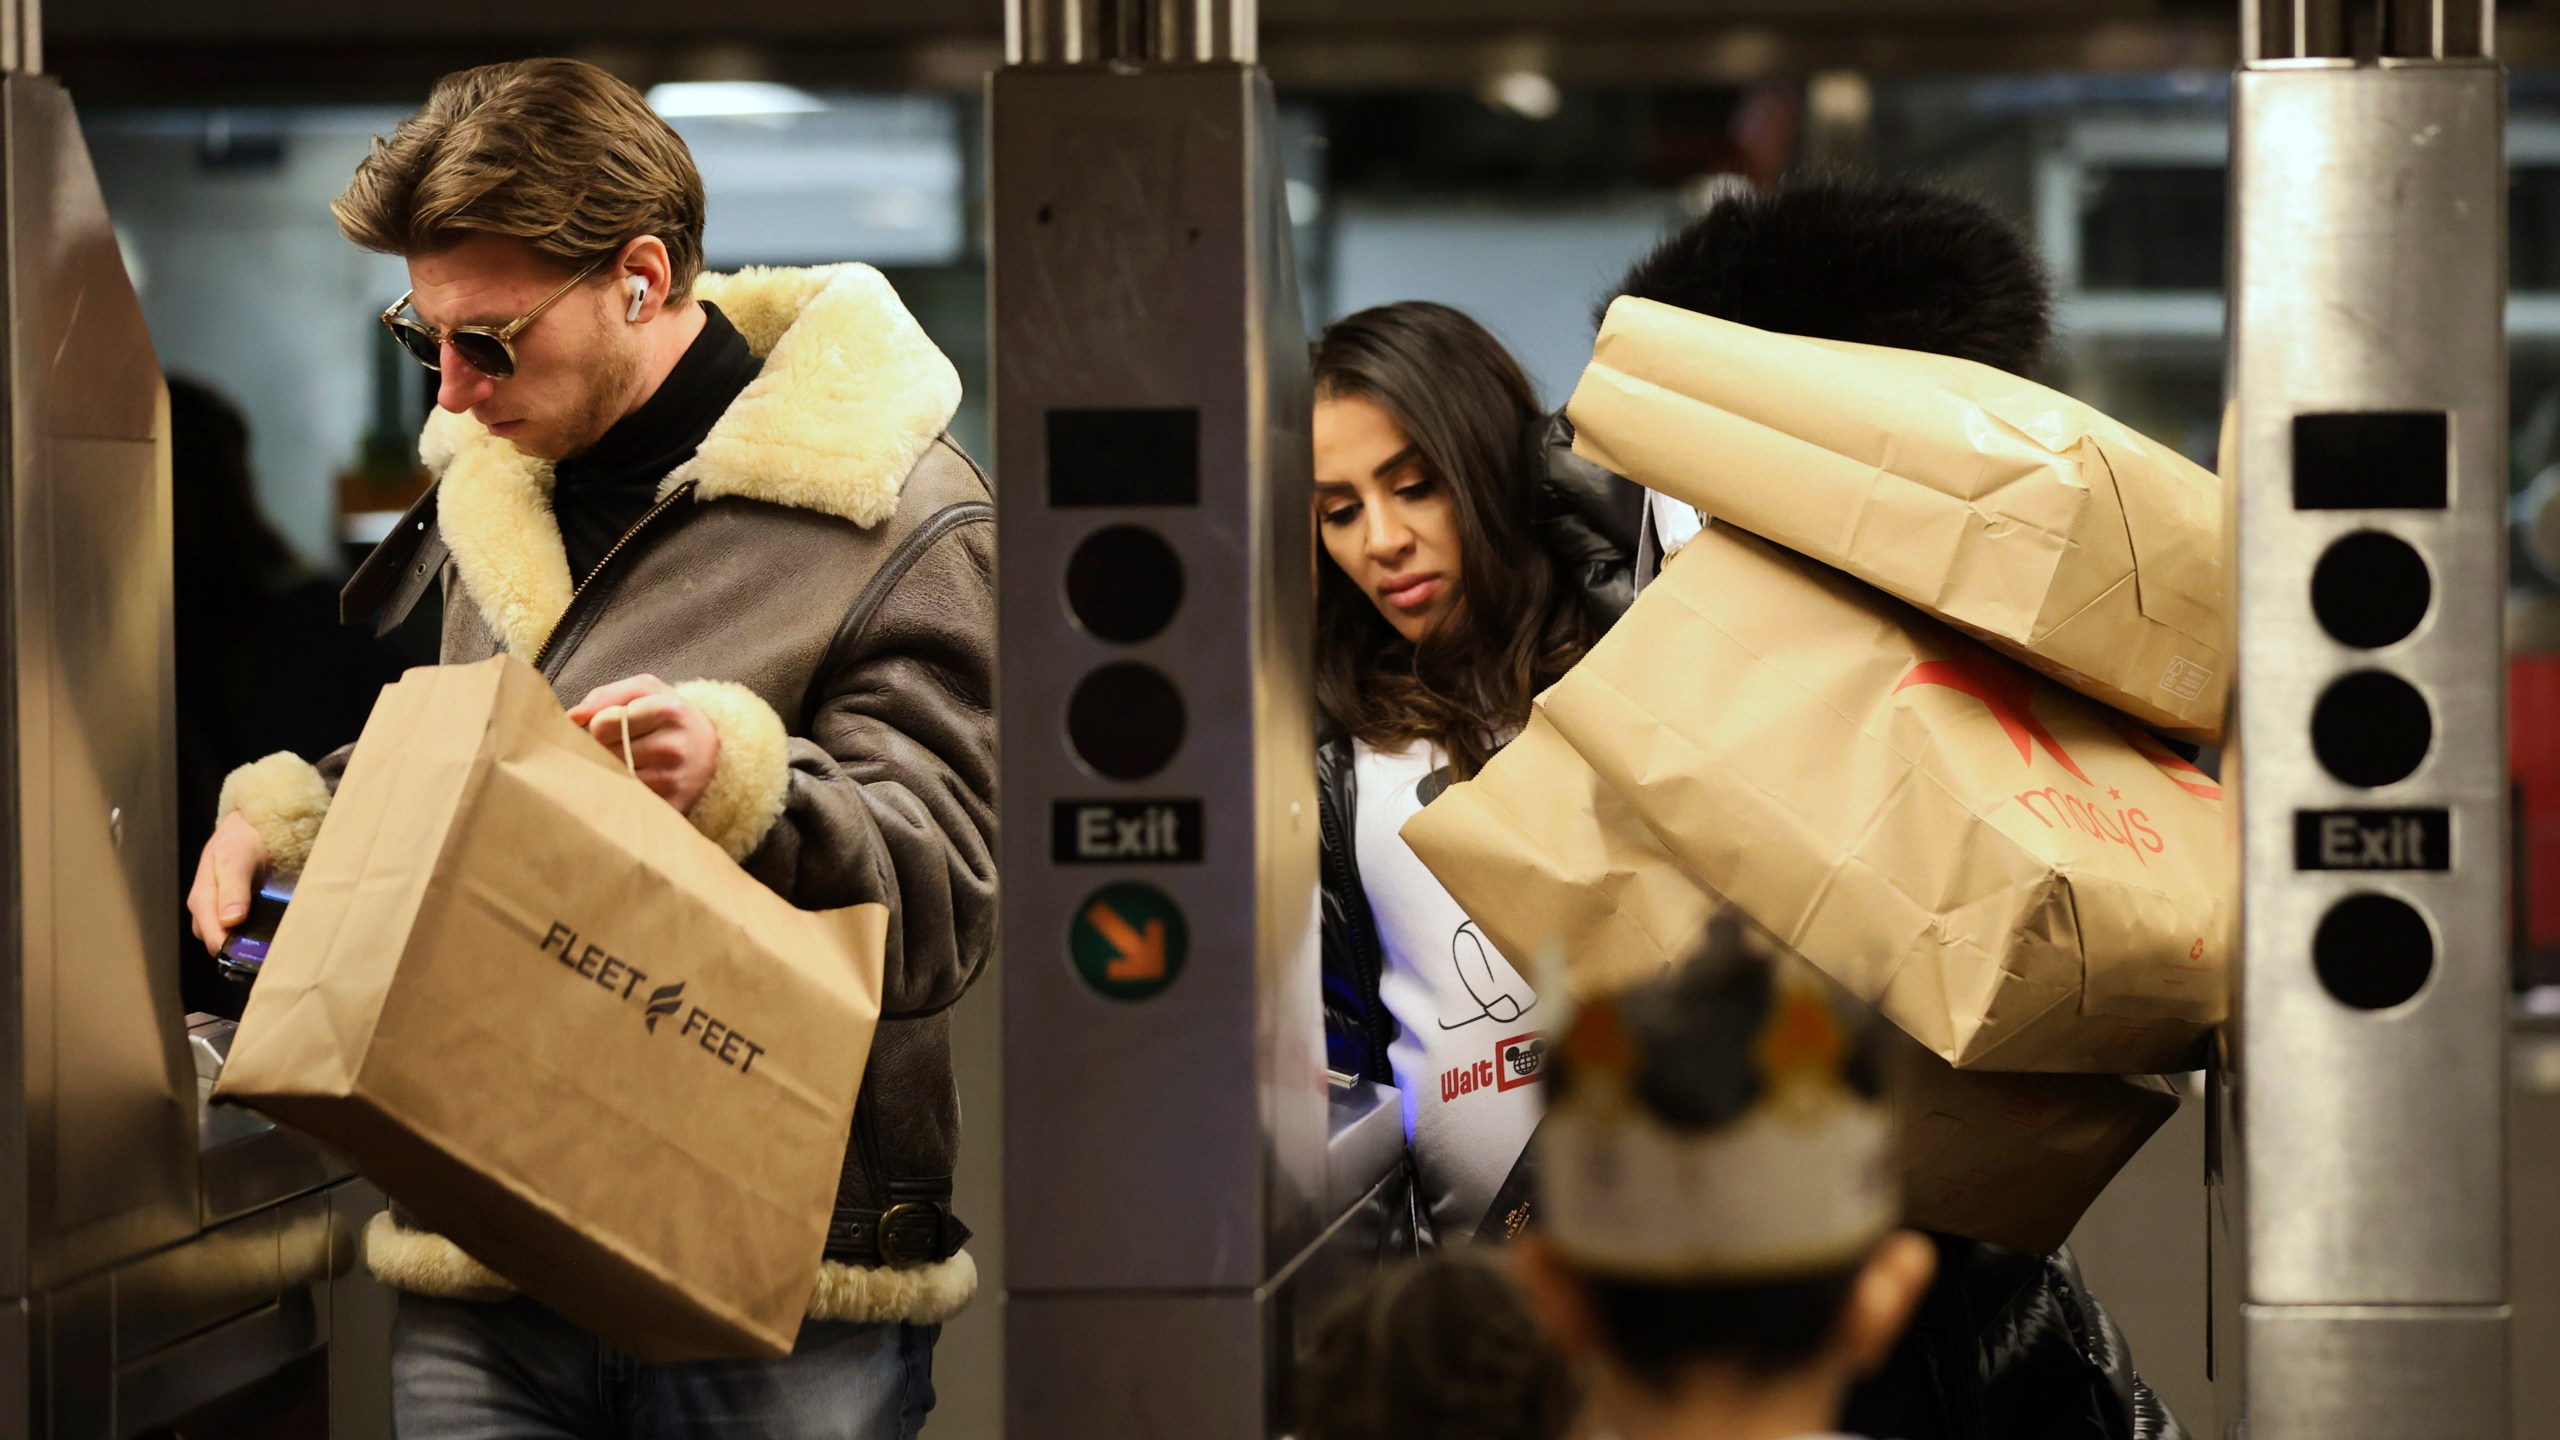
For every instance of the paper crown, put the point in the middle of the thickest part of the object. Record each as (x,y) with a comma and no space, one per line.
(1724,1123)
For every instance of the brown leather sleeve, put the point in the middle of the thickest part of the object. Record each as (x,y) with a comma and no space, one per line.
(892,794)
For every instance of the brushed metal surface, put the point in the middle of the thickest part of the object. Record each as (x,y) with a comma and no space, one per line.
(359,1312)
(2370,275)
(1138,1367)
(1140,260)
(95,1080)
(2377,1373)
(164,1386)
(1365,1143)
(76,1399)
(18,1359)
(245,1161)
(1174,1366)
(1095,32)
(2533,1129)
(220,1275)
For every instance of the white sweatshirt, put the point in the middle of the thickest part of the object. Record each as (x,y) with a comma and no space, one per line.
(1467,1054)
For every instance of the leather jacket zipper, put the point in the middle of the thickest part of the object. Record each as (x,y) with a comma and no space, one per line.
(562,629)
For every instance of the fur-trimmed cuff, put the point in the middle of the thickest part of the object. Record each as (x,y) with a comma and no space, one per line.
(424,1263)
(752,778)
(866,1295)
(420,1262)
(285,798)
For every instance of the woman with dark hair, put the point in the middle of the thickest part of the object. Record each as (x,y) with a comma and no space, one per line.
(1454,588)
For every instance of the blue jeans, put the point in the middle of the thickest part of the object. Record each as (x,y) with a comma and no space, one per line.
(516,1371)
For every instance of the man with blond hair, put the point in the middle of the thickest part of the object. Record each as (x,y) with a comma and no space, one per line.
(724,508)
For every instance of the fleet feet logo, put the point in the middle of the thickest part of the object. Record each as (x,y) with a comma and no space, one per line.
(663,1002)
(623,980)
(2005,692)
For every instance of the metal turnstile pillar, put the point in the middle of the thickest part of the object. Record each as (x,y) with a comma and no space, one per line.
(1176,1167)
(2360,1215)
(164,1267)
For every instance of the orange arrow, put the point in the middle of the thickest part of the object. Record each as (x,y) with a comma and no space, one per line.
(1141,956)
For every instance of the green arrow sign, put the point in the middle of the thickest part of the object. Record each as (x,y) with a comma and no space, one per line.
(1128,941)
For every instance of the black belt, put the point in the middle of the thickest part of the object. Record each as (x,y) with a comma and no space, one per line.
(917,1232)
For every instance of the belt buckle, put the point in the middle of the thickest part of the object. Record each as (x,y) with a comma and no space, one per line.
(888,1227)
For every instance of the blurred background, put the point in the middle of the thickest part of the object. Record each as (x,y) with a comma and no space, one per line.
(1508,157)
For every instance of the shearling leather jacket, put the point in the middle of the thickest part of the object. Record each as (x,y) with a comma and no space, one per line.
(817,579)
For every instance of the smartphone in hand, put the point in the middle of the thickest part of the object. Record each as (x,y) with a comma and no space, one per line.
(244,953)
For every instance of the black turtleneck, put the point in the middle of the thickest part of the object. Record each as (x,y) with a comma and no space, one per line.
(599,493)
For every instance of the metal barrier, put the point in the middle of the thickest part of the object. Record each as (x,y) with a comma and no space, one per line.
(1180,1178)
(2361,1238)
(161,1264)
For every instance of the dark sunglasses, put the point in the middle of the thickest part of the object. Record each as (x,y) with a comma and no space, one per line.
(485,348)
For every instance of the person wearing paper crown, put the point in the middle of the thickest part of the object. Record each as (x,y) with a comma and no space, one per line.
(1718,1198)
(725,512)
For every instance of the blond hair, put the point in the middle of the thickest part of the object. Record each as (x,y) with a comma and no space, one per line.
(556,153)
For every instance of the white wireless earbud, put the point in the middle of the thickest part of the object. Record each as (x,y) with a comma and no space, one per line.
(639,296)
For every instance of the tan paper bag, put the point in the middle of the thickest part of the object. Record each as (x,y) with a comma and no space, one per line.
(2015,1159)
(1561,875)
(519,992)
(2018,878)
(2048,530)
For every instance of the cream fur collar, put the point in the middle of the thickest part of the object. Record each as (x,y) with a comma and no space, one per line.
(851,396)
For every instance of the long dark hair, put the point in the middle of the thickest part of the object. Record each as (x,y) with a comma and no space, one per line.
(1474,422)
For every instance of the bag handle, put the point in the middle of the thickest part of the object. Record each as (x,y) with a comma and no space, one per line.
(623,714)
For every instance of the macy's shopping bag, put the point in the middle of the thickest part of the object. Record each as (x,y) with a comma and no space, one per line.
(519,992)
(2016,877)
(2045,528)
(1552,865)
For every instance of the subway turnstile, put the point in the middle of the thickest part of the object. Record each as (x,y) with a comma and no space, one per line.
(164,1268)
(1181,1181)
(2360,1235)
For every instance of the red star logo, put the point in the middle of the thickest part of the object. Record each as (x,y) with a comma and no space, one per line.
(2005,692)
(2114,794)
(2185,776)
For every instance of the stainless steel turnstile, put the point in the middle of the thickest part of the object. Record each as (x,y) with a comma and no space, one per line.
(1178,1169)
(160,1264)
(2361,1244)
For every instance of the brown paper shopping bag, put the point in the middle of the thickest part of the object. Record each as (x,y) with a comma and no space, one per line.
(2041,526)
(518,991)
(1555,868)
(2015,1159)
(2018,878)
(1558,871)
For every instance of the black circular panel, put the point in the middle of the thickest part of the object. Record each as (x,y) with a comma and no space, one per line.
(1126,721)
(2371,728)
(2373,951)
(2370,589)
(1123,584)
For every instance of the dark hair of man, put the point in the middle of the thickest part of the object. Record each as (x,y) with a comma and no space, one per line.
(1473,417)
(1768,1328)
(1870,261)
(1442,1348)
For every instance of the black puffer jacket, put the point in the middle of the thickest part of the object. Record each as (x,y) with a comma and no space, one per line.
(2007,1345)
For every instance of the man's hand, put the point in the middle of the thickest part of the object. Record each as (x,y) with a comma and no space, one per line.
(226,877)
(673,747)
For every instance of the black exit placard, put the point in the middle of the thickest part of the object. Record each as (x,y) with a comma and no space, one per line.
(2372,840)
(1124,832)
